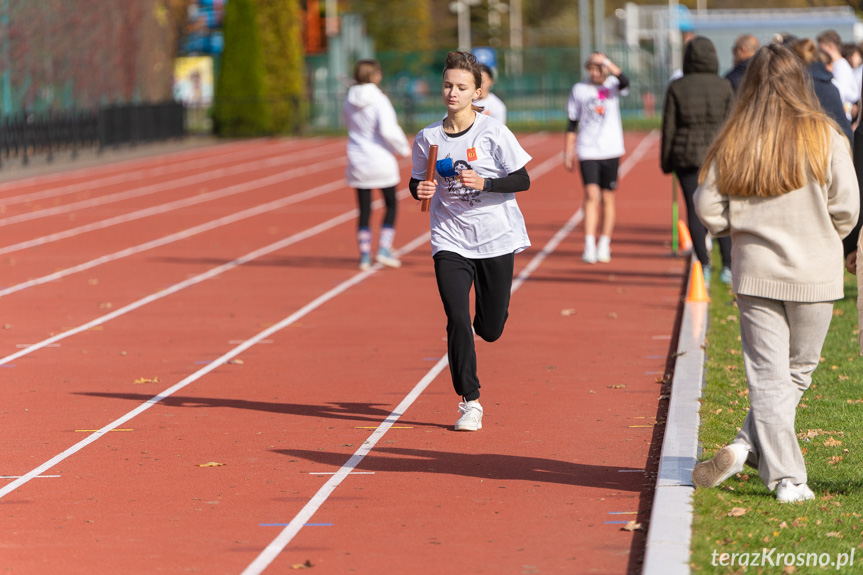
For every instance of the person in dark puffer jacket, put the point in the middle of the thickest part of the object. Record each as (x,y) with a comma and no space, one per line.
(696,106)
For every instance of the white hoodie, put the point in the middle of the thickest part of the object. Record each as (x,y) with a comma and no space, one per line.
(374,135)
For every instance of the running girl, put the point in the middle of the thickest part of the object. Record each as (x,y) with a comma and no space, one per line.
(476,225)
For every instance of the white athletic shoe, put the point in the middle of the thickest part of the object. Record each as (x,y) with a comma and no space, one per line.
(787,492)
(471,416)
(726,462)
(589,255)
(386,258)
(603,253)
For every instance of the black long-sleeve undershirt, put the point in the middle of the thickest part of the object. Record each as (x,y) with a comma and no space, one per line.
(518,181)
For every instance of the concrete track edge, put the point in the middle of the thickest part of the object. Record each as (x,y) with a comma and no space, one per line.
(669,533)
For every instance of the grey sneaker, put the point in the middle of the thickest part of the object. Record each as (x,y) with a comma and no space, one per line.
(471,416)
(787,492)
(365,261)
(726,462)
(725,275)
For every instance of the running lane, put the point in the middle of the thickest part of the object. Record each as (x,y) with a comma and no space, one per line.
(570,395)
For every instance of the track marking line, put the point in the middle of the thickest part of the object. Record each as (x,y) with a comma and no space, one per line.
(306,525)
(169,206)
(37,477)
(334,472)
(393,427)
(156,188)
(120,166)
(224,358)
(95,430)
(177,236)
(194,280)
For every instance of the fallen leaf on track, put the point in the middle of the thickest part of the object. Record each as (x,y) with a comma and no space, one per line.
(211,464)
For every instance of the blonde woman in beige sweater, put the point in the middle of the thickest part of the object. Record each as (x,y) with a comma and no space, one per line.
(780,181)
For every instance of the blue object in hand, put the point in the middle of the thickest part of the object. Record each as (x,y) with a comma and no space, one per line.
(445,168)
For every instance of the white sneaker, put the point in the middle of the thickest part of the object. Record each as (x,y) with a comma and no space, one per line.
(603,253)
(726,462)
(386,258)
(589,254)
(471,416)
(787,492)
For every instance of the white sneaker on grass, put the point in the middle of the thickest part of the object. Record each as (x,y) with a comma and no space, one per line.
(726,462)
(471,416)
(787,492)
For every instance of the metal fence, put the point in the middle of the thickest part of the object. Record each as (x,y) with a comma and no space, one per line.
(534,84)
(25,135)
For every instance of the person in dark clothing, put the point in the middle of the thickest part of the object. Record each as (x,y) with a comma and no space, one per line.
(851,241)
(696,106)
(744,47)
(822,82)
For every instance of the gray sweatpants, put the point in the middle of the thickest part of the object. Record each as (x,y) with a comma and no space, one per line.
(781,348)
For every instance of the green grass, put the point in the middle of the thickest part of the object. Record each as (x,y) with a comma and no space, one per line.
(830,425)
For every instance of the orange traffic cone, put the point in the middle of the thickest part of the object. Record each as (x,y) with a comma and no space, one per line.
(685,238)
(697,291)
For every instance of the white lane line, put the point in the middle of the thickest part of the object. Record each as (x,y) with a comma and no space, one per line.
(170,206)
(260,336)
(181,235)
(119,178)
(194,280)
(120,165)
(137,169)
(278,544)
(160,187)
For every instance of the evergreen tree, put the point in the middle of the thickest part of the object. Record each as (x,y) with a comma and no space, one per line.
(280,25)
(240,108)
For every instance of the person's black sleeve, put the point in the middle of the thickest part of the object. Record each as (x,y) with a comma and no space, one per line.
(413,185)
(573,126)
(624,81)
(518,181)
(849,243)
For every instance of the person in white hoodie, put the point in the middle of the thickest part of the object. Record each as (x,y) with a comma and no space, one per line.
(374,138)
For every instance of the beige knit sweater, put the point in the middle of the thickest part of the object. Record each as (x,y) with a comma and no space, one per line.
(788,247)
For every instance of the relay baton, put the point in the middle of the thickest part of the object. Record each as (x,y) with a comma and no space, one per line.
(430,168)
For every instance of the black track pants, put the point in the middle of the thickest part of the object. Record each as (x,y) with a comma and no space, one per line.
(491,279)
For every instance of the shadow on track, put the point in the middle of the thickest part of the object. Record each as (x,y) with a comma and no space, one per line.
(338,410)
(491,466)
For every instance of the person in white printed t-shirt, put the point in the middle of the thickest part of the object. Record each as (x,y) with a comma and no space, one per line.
(374,137)
(476,224)
(491,105)
(595,136)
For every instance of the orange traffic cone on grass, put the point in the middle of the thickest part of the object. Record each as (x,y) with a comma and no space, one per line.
(697,290)
(685,238)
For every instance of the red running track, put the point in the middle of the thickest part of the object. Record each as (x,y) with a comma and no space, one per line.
(197,378)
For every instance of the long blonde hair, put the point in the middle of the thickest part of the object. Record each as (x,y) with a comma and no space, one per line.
(777,136)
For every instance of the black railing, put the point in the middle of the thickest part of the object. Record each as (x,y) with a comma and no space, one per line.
(25,135)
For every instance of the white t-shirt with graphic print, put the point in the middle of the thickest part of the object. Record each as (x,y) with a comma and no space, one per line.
(473,223)
(597,109)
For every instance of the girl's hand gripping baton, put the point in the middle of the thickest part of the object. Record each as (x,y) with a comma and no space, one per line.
(430,170)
